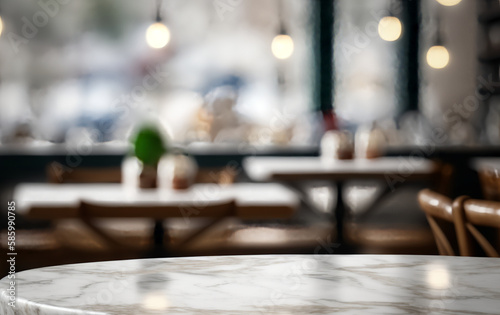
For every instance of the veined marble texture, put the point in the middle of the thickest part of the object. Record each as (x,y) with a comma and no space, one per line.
(286,284)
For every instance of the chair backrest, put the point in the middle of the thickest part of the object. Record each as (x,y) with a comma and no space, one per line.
(490,184)
(443,178)
(59,174)
(439,212)
(90,212)
(474,214)
(203,210)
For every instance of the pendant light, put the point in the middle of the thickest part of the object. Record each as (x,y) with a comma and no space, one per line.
(158,34)
(449,3)
(438,56)
(390,27)
(282,46)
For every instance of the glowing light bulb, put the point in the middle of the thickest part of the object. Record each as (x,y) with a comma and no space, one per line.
(438,57)
(157,35)
(1,26)
(282,46)
(390,28)
(449,3)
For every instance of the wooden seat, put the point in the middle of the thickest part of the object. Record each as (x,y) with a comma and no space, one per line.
(471,216)
(235,237)
(392,241)
(32,240)
(439,212)
(35,248)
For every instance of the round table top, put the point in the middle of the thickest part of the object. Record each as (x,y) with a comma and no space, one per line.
(286,284)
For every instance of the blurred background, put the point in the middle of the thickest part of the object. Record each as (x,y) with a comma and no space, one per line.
(224,80)
(73,70)
(90,72)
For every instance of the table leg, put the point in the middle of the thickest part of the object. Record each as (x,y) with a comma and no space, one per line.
(340,212)
(159,249)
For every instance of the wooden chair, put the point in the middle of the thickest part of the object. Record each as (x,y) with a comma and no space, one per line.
(92,213)
(439,212)
(470,216)
(396,225)
(490,184)
(59,174)
(136,231)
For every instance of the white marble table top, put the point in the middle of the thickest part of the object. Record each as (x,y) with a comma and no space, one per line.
(63,200)
(365,284)
(265,168)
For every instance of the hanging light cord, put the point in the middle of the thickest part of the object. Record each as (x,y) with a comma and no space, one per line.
(158,10)
(439,35)
(391,8)
(281,18)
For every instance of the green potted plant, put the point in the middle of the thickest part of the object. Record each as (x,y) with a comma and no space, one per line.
(149,147)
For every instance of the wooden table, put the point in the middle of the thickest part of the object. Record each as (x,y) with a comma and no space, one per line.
(393,170)
(251,201)
(286,284)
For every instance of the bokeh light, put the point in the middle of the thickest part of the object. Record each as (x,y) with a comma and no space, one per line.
(157,35)
(438,57)
(390,28)
(449,3)
(282,46)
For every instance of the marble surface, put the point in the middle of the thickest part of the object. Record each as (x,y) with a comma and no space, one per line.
(264,168)
(364,284)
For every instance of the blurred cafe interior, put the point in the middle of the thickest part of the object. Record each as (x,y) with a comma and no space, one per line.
(172,128)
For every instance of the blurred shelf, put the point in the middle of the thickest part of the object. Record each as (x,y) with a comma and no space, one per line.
(35,156)
(221,150)
(48,149)
(249,149)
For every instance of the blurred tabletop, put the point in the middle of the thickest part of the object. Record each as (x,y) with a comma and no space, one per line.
(253,201)
(286,284)
(315,168)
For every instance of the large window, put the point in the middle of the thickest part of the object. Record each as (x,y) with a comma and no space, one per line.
(366,66)
(83,68)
